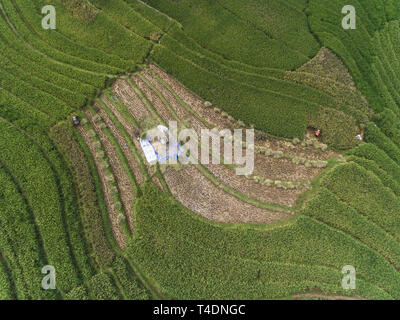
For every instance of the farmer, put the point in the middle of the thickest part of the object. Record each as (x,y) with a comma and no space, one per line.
(75,120)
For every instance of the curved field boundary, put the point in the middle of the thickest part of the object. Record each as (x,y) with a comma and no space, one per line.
(29,36)
(66,191)
(197,193)
(178,113)
(381,206)
(60,75)
(323,97)
(50,105)
(212,119)
(7,286)
(90,206)
(137,170)
(28,51)
(152,111)
(24,276)
(107,117)
(102,33)
(43,72)
(106,262)
(358,227)
(55,220)
(67,96)
(63,43)
(119,121)
(258,248)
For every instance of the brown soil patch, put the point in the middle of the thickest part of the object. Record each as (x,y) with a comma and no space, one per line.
(157,182)
(201,196)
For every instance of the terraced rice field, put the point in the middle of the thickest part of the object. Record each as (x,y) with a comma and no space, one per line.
(209,190)
(84,199)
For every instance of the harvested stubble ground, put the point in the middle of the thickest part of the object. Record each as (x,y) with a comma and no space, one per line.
(133,164)
(122,180)
(119,236)
(228,176)
(276,169)
(201,196)
(181,112)
(131,106)
(309,153)
(153,99)
(128,97)
(252,189)
(282,169)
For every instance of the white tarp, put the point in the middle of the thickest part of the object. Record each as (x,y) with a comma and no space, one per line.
(173,149)
(148,150)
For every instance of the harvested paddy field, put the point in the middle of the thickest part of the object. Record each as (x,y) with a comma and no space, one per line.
(213,191)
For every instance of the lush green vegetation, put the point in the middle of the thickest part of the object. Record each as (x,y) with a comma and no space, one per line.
(240,32)
(256,60)
(187,256)
(103,288)
(91,215)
